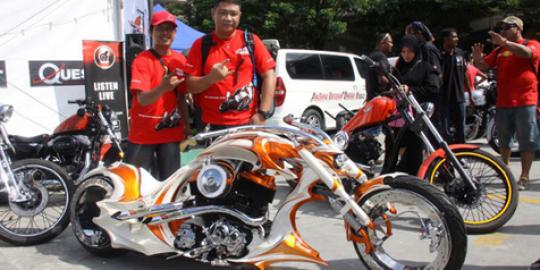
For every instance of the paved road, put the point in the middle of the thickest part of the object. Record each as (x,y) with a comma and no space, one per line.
(514,246)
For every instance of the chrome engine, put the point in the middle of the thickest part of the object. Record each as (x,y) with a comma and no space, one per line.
(365,148)
(214,243)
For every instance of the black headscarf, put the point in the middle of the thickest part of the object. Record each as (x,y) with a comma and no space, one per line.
(411,42)
(422,28)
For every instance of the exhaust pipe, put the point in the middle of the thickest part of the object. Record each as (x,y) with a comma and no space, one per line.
(172,211)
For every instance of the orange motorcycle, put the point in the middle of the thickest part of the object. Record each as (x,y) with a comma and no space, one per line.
(478,183)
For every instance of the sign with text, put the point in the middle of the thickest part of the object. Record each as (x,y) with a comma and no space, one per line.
(56,73)
(104,81)
(3,75)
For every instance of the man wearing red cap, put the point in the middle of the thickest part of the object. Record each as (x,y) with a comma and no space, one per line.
(223,84)
(516,60)
(158,113)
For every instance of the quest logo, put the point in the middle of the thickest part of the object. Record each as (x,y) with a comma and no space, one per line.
(56,73)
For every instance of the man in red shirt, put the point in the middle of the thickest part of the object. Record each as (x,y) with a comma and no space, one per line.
(516,60)
(158,100)
(223,88)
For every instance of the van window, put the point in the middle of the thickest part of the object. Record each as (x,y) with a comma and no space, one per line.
(337,68)
(304,66)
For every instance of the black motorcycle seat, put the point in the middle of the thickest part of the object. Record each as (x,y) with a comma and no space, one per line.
(36,139)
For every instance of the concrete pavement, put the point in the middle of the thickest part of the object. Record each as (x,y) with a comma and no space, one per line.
(514,246)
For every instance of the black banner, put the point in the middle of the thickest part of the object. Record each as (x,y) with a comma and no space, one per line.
(3,75)
(56,73)
(103,69)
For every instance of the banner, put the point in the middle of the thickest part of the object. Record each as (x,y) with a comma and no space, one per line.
(3,75)
(104,82)
(56,73)
(136,19)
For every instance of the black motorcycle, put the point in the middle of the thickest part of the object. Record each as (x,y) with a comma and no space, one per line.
(78,144)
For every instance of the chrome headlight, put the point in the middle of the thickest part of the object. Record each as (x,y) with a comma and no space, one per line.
(6,111)
(212,181)
(341,140)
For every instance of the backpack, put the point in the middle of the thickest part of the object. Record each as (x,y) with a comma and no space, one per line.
(207,43)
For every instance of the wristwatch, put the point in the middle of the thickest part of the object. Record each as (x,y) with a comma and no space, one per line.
(265,114)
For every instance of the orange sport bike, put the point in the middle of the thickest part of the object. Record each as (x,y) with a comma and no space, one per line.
(216,208)
(478,183)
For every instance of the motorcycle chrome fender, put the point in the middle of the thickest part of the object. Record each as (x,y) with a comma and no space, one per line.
(439,153)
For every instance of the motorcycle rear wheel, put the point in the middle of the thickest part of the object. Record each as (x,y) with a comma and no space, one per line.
(497,197)
(84,209)
(435,219)
(46,215)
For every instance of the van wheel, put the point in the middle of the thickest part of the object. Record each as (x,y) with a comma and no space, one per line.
(313,118)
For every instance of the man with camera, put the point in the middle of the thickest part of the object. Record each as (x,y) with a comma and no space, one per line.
(221,73)
(158,113)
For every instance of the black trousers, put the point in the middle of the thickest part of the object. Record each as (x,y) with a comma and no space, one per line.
(162,160)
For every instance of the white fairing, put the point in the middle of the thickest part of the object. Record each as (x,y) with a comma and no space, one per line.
(132,234)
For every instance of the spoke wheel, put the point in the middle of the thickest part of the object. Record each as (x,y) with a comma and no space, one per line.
(45,214)
(495,201)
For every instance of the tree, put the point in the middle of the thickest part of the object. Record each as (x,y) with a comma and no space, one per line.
(302,24)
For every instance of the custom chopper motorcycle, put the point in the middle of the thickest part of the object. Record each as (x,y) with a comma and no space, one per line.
(78,144)
(478,183)
(34,195)
(216,208)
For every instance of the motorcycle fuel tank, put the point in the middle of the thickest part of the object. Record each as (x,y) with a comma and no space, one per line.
(375,111)
(73,123)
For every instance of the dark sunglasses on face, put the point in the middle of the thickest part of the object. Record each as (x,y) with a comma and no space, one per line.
(508,26)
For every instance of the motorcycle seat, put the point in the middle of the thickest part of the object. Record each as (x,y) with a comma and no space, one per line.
(36,139)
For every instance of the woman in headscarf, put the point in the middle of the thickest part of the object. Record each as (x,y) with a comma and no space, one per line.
(421,79)
(429,52)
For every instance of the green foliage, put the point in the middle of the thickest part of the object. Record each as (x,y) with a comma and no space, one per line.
(303,24)
(352,24)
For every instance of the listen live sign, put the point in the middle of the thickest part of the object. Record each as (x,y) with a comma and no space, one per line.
(104,78)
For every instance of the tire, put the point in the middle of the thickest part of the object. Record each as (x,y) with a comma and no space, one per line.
(84,209)
(451,246)
(313,118)
(47,214)
(496,185)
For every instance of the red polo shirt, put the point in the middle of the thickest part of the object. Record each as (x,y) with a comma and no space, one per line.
(240,61)
(516,80)
(147,73)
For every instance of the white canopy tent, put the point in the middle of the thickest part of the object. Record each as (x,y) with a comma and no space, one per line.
(52,31)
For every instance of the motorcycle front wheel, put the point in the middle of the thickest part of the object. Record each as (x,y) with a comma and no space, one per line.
(496,199)
(412,214)
(46,214)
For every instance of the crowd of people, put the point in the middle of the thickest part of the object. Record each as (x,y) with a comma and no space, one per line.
(442,76)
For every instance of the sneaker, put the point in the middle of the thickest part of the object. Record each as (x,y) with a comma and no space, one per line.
(523,184)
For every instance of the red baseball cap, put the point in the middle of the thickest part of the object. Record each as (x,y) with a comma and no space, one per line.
(163,17)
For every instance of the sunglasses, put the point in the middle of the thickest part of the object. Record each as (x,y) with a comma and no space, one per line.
(508,26)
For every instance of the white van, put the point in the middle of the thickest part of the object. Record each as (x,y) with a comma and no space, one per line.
(312,83)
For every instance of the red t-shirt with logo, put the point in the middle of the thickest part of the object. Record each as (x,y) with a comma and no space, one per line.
(516,80)
(146,74)
(240,62)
